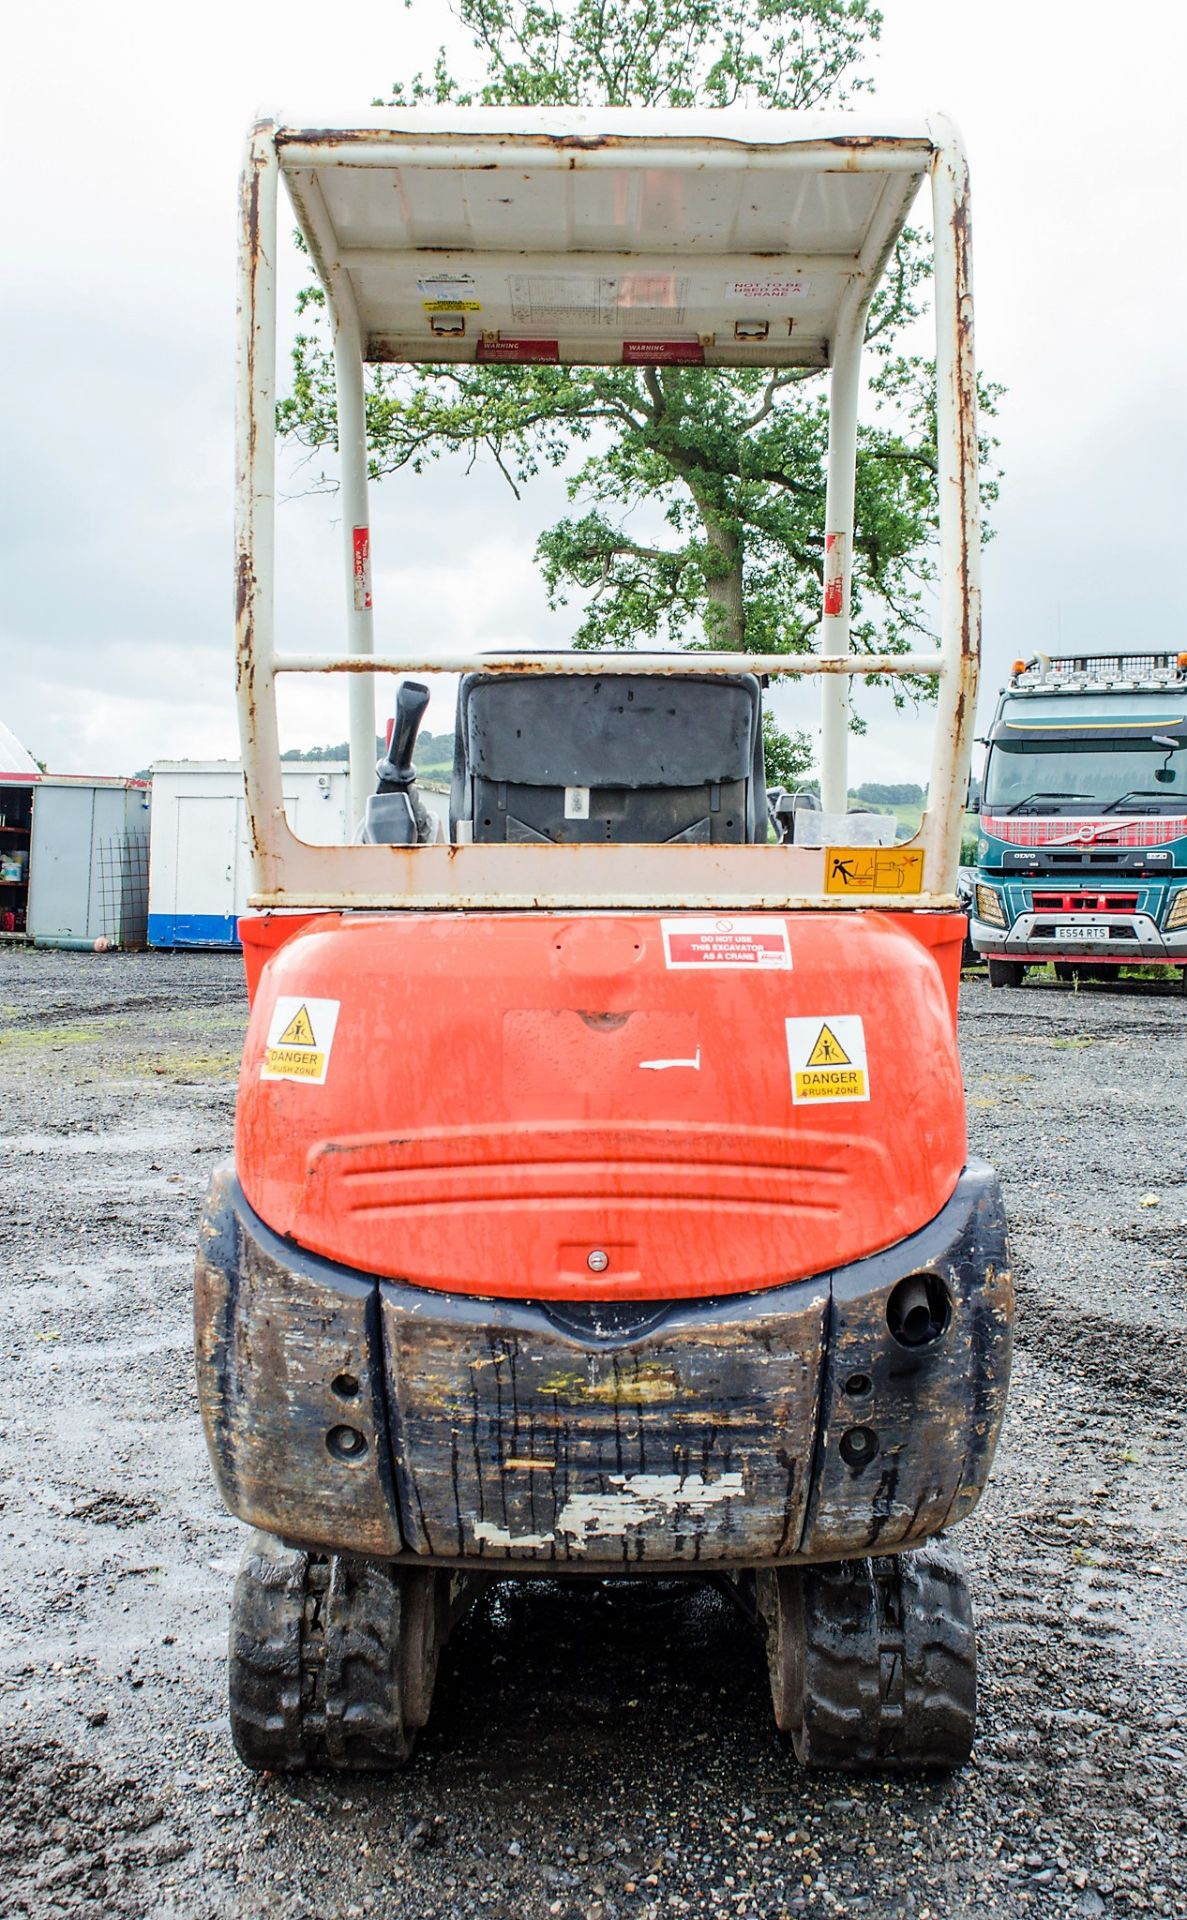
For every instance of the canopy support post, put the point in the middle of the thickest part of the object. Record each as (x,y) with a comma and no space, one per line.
(356,527)
(958,457)
(255,506)
(838,546)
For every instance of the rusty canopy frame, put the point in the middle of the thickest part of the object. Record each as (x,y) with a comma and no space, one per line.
(289,873)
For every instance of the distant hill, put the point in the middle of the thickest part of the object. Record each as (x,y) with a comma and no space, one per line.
(433,750)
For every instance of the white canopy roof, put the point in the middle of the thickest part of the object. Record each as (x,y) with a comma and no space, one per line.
(14,760)
(730,238)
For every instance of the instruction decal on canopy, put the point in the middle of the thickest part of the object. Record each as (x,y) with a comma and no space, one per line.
(873,870)
(447,286)
(774,289)
(300,1040)
(827,1057)
(756,942)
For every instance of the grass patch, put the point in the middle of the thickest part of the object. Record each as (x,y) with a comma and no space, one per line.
(29,1039)
(220,1067)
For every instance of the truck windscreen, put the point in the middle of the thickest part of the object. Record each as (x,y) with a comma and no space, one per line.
(1085,776)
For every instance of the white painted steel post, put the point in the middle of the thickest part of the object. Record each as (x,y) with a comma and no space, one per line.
(838,546)
(255,505)
(356,525)
(959,510)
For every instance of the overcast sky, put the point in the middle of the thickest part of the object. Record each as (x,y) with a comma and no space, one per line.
(125,125)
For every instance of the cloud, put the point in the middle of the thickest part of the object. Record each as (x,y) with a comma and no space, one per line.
(115,535)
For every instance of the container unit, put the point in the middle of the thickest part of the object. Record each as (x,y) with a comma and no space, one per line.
(18,776)
(88,862)
(16,820)
(200,868)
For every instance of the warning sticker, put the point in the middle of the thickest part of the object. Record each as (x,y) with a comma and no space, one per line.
(447,286)
(496,347)
(300,1039)
(361,546)
(757,943)
(827,1057)
(663,353)
(873,870)
(767,289)
(834,574)
(452,306)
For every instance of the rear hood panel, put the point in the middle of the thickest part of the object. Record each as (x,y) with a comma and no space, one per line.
(479,1103)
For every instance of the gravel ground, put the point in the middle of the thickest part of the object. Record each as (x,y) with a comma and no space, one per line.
(595,1752)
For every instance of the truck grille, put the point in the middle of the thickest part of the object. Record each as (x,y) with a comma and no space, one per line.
(1063,831)
(1085,902)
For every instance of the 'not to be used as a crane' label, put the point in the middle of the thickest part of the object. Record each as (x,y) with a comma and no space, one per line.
(827,1057)
(300,1040)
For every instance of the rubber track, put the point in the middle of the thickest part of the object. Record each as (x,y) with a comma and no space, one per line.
(890,1664)
(314,1669)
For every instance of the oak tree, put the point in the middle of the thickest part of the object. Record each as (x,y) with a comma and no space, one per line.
(725,468)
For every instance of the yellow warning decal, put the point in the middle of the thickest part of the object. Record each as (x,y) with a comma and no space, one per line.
(828,1051)
(299,1032)
(827,1058)
(873,870)
(452,306)
(294,1063)
(847,1084)
(300,1040)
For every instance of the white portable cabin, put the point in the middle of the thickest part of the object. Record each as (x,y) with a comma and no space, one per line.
(200,858)
(620,237)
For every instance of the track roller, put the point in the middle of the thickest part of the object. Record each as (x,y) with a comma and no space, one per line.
(873,1663)
(332,1659)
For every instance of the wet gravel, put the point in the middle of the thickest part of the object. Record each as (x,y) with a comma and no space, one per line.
(596,1752)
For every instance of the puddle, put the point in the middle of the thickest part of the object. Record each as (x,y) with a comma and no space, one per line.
(143,1140)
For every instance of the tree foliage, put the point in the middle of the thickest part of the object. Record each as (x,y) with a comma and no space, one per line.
(698,498)
(903,794)
(794,54)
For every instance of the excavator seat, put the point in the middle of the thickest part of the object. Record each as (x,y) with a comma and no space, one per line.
(609,756)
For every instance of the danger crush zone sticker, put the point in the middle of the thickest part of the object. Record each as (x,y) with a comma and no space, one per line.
(757,943)
(827,1057)
(300,1040)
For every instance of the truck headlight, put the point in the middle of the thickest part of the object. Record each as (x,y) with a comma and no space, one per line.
(989,907)
(1177,917)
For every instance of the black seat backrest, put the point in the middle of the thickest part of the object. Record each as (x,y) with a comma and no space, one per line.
(609,756)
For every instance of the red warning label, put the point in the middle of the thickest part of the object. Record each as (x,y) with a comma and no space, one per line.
(834,573)
(663,353)
(517,350)
(362,569)
(744,945)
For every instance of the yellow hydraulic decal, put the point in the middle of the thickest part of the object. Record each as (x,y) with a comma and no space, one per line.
(873,870)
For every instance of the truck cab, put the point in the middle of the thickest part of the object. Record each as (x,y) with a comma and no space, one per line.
(1082,850)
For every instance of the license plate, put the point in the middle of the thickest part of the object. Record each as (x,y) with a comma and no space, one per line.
(1081,933)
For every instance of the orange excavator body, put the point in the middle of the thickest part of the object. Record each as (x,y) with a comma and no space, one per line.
(600,1107)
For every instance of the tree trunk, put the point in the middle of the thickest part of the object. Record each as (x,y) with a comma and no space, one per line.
(725,623)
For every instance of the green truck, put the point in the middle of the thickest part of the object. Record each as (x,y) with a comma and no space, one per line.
(1082,848)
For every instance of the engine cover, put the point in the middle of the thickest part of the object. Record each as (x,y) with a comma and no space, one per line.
(537,1106)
